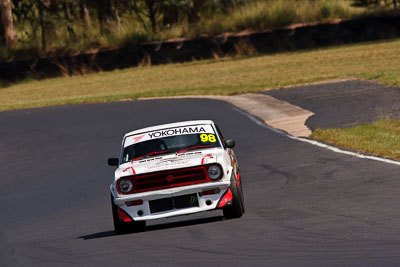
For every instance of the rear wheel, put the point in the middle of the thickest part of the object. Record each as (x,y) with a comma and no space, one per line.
(121,227)
(236,210)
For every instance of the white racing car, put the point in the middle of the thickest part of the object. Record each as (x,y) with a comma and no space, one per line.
(174,169)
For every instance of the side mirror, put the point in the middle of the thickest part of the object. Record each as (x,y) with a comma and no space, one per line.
(113,161)
(229,143)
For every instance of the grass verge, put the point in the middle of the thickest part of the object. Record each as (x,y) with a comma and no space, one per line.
(372,61)
(381,138)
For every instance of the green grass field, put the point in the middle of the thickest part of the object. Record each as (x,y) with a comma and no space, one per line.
(381,138)
(372,61)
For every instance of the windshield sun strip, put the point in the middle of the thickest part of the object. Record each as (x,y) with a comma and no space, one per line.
(124,140)
(163,129)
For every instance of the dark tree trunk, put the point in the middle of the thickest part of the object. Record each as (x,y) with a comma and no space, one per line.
(149,9)
(153,8)
(85,15)
(194,11)
(2,39)
(170,15)
(68,16)
(48,12)
(105,16)
(67,10)
(42,25)
(152,16)
(7,24)
(117,19)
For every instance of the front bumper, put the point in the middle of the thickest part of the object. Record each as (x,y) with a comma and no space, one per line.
(142,212)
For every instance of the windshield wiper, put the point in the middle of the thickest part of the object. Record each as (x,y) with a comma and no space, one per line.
(151,154)
(194,147)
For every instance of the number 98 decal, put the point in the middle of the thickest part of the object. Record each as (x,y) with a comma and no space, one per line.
(208,138)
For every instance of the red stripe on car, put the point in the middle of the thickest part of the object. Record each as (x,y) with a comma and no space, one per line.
(208,155)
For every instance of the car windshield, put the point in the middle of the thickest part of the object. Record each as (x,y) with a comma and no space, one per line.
(175,140)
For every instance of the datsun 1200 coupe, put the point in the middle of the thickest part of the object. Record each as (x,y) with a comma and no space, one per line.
(174,169)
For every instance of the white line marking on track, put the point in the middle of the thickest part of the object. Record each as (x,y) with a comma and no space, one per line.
(338,150)
(313,142)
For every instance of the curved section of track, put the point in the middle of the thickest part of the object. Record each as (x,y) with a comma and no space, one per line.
(304,205)
(342,103)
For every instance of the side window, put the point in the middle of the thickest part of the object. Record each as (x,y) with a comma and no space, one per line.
(220,134)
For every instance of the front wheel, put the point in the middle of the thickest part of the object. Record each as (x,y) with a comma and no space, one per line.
(236,210)
(121,227)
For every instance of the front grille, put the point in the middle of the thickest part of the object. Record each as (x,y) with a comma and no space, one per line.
(168,179)
(179,202)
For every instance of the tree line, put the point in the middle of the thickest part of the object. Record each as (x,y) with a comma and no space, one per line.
(153,14)
(44,16)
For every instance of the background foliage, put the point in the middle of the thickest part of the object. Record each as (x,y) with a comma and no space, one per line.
(72,26)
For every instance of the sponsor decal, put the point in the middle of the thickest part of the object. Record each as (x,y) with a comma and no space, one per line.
(165,164)
(193,201)
(171,160)
(136,139)
(177,131)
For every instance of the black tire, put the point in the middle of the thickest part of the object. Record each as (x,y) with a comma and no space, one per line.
(236,210)
(120,227)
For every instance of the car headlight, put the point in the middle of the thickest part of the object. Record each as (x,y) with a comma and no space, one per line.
(214,172)
(125,186)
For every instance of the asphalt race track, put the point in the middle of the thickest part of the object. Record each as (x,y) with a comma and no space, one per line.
(305,205)
(343,104)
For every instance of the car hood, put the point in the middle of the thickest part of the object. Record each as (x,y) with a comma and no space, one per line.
(168,162)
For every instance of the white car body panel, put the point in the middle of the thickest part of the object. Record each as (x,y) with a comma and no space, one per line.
(186,159)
